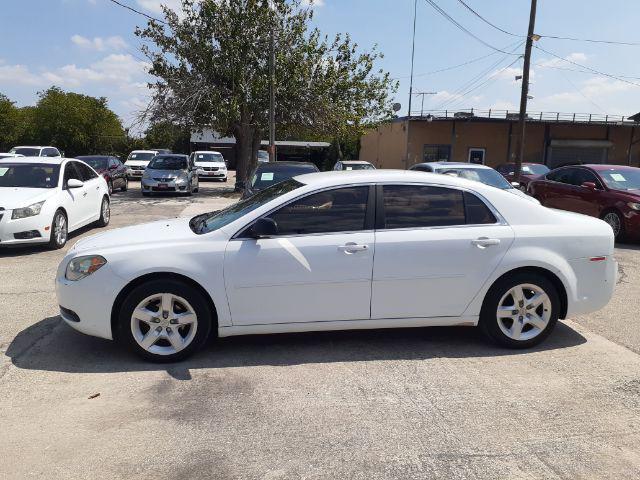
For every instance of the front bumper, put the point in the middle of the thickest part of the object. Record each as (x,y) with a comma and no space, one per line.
(86,304)
(151,185)
(36,229)
(212,174)
(135,173)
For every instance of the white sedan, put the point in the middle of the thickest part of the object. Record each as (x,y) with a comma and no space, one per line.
(43,199)
(341,250)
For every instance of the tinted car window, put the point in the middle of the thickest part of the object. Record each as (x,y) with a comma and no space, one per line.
(414,206)
(582,175)
(29,175)
(70,172)
(26,151)
(340,210)
(563,175)
(99,163)
(422,168)
(86,173)
(476,211)
(268,174)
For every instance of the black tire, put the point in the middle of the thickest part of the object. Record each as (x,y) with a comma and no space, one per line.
(489,318)
(124,333)
(612,217)
(125,186)
(54,242)
(145,194)
(110,187)
(105,212)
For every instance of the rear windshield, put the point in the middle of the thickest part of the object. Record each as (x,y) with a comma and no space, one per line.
(141,156)
(97,163)
(26,151)
(619,179)
(209,157)
(483,175)
(266,176)
(29,175)
(168,163)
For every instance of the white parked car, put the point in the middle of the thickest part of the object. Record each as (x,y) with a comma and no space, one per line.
(31,151)
(10,155)
(137,162)
(353,165)
(299,256)
(43,199)
(210,165)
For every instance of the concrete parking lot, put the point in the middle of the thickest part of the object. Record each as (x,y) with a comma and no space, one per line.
(409,404)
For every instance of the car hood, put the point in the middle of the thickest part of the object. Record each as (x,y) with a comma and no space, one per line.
(211,164)
(150,172)
(18,197)
(148,234)
(137,163)
(629,195)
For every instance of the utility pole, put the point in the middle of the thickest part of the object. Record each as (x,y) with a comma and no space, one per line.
(272,96)
(525,88)
(413,54)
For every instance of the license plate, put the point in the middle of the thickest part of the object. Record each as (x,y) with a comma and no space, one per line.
(163,186)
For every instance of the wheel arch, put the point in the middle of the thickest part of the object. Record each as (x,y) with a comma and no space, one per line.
(117,304)
(548,274)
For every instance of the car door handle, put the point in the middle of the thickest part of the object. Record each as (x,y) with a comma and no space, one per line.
(484,242)
(352,248)
(84,194)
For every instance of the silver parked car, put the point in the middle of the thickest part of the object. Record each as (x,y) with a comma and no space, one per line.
(170,173)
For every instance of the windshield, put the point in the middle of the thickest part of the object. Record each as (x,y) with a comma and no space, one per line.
(266,176)
(29,175)
(26,151)
(168,163)
(358,166)
(619,179)
(97,163)
(141,156)
(209,157)
(535,169)
(208,222)
(483,175)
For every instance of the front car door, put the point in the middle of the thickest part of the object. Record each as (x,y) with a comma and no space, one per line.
(435,248)
(93,198)
(75,200)
(317,268)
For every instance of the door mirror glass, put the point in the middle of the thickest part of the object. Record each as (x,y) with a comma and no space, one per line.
(74,183)
(264,228)
(589,185)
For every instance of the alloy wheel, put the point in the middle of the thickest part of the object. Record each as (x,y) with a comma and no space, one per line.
(106,211)
(164,324)
(524,312)
(60,229)
(613,220)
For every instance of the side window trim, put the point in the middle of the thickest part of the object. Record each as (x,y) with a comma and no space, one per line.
(380,220)
(369,214)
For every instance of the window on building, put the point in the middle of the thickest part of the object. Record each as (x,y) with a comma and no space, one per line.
(436,153)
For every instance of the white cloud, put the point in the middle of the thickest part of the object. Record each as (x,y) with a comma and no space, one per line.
(577,57)
(155,6)
(16,74)
(313,3)
(98,43)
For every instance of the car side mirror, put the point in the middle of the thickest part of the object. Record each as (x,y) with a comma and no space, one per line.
(74,183)
(264,228)
(589,185)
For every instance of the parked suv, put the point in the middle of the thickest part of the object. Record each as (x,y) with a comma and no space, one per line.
(137,161)
(609,192)
(29,151)
(210,165)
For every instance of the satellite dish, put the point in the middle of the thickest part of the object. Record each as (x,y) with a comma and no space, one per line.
(396,107)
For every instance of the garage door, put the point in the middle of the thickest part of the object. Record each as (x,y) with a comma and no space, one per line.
(559,156)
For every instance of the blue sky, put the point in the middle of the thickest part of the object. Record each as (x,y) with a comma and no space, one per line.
(88,46)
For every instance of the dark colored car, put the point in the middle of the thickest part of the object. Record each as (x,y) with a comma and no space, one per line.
(609,192)
(530,172)
(111,168)
(267,174)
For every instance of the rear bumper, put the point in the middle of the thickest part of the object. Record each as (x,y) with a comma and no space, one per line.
(595,284)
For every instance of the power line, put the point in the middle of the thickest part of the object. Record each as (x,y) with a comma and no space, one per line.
(462,28)
(555,67)
(598,72)
(582,94)
(488,22)
(116,2)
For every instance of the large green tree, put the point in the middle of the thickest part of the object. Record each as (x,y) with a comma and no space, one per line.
(9,123)
(212,68)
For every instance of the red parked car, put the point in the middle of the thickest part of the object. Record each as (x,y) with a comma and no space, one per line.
(609,192)
(530,172)
(111,168)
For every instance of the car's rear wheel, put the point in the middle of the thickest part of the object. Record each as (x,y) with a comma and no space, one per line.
(105,212)
(164,320)
(520,310)
(110,187)
(59,231)
(125,186)
(615,222)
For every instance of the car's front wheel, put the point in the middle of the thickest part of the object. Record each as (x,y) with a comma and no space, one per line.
(59,231)
(520,310)
(615,222)
(164,320)
(105,212)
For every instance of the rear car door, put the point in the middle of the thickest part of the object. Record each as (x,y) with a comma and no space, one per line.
(317,268)
(435,248)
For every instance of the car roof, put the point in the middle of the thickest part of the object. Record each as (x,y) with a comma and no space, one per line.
(355,162)
(456,165)
(600,166)
(42,160)
(34,146)
(143,151)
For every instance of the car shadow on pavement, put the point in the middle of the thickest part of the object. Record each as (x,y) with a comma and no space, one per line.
(51,345)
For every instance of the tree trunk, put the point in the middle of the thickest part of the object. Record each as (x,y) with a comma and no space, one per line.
(243,133)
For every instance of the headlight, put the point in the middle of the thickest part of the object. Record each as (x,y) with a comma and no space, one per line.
(634,206)
(183,177)
(29,211)
(81,267)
